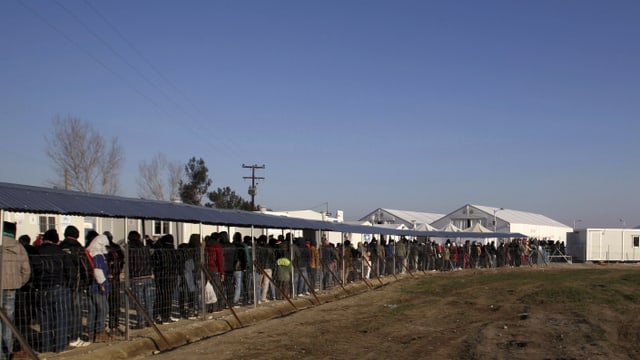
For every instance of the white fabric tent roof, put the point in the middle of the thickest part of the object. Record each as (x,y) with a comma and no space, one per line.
(425,227)
(520,217)
(450,228)
(477,227)
(419,217)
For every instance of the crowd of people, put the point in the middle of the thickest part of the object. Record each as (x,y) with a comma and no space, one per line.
(68,293)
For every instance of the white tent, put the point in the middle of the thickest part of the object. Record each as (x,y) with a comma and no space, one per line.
(478,228)
(425,227)
(450,228)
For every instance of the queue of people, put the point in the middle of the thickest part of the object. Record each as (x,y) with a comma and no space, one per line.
(69,293)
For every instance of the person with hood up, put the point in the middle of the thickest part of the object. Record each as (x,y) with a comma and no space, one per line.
(165,259)
(141,273)
(98,304)
(115,262)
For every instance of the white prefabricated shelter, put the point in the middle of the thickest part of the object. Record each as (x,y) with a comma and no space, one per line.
(613,244)
(410,219)
(506,221)
(333,236)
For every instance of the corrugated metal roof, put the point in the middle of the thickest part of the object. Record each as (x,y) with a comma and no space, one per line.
(31,199)
(520,217)
(39,200)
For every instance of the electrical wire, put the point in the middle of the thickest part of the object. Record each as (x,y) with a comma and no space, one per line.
(161,75)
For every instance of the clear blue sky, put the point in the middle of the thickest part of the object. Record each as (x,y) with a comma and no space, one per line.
(414,105)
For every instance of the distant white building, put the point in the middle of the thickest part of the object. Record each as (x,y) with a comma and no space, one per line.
(332,236)
(505,221)
(410,219)
(613,244)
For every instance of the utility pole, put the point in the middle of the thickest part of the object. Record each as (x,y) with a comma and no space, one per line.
(252,189)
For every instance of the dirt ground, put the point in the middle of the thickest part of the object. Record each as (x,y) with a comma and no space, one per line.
(558,312)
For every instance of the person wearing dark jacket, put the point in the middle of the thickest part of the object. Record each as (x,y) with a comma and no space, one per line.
(301,261)
(141,274)
(189,276)
(266,259)
(115,263)
(240,262)
(79,285)
(53,272)
(165,270)
(186,282)
(328,260)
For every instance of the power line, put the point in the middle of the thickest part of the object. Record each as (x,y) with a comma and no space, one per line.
(157,105)
(157,71)
(128,63)
(94,58)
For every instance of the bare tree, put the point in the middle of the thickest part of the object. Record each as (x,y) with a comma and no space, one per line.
(176,170)
(81,158)
(152,184)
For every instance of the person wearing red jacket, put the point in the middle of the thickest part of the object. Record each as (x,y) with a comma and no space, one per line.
(215,266)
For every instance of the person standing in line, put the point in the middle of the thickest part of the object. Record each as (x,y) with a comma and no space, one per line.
(314,263)
(328,258)
(16,272)
(26,304)
(250,274)
(239,267)
(79,286)
(346,255)
(196,252)
(284,269)
(301,259)
(366,260)
(446,258)
(141,273)
(374,258)
(115,263)
(215,267)
(382,256)
(228,252)
(98,308)
(401,255)
(266,259)
(390,251)
(165,269)
(53,272)
(189,263)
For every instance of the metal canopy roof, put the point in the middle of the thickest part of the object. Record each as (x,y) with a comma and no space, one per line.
(39,200)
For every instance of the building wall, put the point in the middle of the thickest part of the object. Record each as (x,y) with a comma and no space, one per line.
(29,224)
(604,245)
(464,219)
